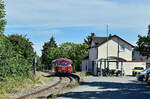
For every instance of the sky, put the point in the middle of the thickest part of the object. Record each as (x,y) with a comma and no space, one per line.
(73,20)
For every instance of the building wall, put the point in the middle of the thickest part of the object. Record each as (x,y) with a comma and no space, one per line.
(92,52)
(113,49)
(84,67)
(137,56)
(128,66)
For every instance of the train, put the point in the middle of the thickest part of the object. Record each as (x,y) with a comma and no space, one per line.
(62,66)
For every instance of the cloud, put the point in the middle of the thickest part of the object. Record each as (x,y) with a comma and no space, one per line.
(72,13)
(44,17)
(38,48)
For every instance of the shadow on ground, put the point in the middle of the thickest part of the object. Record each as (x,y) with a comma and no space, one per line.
(112,90)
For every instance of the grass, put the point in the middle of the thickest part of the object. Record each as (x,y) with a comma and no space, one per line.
(18,85)
(82,75)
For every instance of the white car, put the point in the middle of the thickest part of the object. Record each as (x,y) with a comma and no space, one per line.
(146,75)
(141,75)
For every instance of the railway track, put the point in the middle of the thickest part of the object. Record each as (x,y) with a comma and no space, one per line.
(54,89)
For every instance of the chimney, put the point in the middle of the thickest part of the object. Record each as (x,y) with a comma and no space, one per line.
(110,35)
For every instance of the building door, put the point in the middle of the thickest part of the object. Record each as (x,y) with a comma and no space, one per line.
(93,66)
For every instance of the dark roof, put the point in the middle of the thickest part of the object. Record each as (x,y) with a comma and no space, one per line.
(101,40)
(85,57)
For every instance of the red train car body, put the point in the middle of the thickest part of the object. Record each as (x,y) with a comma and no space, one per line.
(63,65)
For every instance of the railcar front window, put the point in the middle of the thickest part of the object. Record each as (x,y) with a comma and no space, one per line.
(64,63)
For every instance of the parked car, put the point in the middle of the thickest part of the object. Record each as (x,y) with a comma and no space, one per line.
(136,70)
(146,75)
(148,81)
(141,75)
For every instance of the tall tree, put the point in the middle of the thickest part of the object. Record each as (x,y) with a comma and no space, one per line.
(143,44)
(5,45)
(50,52)
(88,39)
(2,16)
(148,31)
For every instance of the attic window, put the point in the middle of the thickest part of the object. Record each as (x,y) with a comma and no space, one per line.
(122,47)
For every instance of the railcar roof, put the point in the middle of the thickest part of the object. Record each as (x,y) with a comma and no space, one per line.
(63,59)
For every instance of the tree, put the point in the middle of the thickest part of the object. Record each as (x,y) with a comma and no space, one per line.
(16,52)
(2,16)
(65,49)
(23,55)
(74,52)
(148,31)
(143,44)
(22,46)
(88,39)
(5,46)
(50,52)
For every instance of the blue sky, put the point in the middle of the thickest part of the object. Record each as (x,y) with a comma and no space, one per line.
(73,20)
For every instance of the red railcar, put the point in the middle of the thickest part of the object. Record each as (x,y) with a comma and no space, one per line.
(63,65)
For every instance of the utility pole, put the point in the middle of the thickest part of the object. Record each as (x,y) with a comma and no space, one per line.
(107,44)
(34,67)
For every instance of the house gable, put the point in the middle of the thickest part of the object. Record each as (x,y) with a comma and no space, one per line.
(114,49)
(101,40)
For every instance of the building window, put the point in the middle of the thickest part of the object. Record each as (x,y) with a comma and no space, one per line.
(122,47)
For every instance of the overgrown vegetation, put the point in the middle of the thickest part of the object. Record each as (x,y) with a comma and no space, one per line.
(19,84)
(16,60)
(16,56)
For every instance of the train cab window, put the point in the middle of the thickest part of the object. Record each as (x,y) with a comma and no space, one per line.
(64,63)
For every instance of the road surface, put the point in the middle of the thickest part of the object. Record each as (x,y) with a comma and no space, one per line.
(109,88)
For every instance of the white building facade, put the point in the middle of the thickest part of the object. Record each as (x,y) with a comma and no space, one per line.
(114,47)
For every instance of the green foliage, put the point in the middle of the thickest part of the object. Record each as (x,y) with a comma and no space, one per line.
(143,44)
(6,56)
(50,52)
(88,39)
(39,64)
(65,50)
(22,46)
(16,56)
(2,16)
(148,31)
(74,52)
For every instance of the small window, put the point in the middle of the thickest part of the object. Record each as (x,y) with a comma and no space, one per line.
(122,48)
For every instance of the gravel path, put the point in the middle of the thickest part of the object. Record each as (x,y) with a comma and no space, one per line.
(109,88)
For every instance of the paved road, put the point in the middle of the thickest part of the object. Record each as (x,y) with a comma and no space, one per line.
(109,88)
